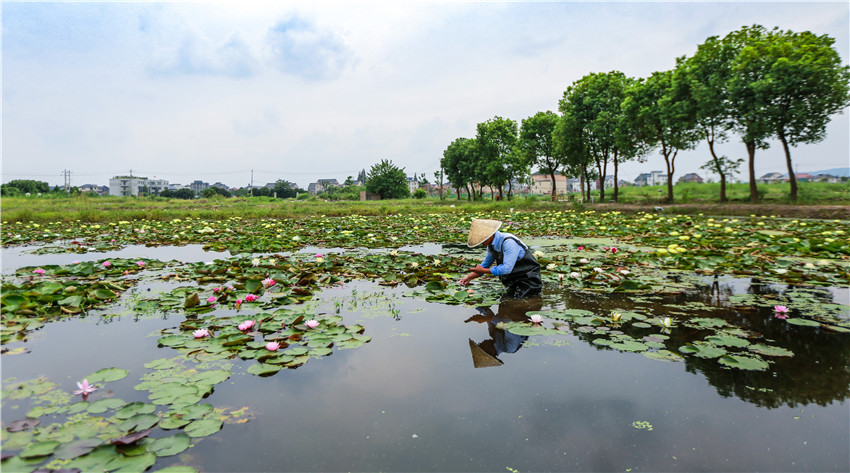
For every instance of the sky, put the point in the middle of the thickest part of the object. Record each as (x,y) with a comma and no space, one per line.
(242,92)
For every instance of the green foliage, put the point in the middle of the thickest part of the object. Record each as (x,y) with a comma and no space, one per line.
(387,180)
(420,193)
(213,191)
(23,186)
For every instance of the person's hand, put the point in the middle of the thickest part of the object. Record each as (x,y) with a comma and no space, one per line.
(478,269)
(469,277)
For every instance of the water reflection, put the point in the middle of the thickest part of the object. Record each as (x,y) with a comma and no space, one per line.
(486,353)
(817,373)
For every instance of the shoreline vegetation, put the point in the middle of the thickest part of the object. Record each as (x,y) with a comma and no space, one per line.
(819,200)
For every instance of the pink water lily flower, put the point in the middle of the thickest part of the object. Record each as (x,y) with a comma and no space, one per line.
(238,302)
(140,264)
(780,309)
(272,346)
(201,333)
(536,319)
(211,299)
(580,248)
(246,325)
(311,323)
(614,249)
(268,282)
(38,271)
(216,290)
(85,388)
(251,298)
(106,264)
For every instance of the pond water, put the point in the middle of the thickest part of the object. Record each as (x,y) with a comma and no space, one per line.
(446,388)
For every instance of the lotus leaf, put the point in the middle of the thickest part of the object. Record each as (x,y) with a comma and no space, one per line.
(743,362)
(77,448)
(203,427)
(767,350)
(107,374)
(39,449)
(102,405)
(127,464)
(728,341)
(263,369)
(803,322)
(166,446)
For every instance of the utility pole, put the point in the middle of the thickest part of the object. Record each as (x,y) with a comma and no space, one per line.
(251,187)
(66,174)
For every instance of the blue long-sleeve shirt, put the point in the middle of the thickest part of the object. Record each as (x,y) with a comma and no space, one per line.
(511,250)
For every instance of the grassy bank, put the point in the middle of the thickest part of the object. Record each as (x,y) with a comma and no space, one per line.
(818,200)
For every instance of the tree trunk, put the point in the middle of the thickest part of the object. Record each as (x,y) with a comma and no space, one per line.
(751,154)
(581,182)
(719,169)
(671,168)
(792,178)
(554,196)
(601,170)
(616,186)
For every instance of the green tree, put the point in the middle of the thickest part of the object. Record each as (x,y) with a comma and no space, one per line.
(26,185)
(457,161)
(804,84)
(537,143)
(387,180)
(663,118)
(705,77)
(285,189)
(746,104)
(500,163)
(568,137)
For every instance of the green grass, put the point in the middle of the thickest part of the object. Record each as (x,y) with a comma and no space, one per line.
(53,208)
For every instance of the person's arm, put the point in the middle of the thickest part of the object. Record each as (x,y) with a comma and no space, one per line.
(511,252)
(479,270)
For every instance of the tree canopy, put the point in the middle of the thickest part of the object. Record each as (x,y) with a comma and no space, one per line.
(387,180)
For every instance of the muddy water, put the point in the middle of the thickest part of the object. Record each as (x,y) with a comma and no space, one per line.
(413,399)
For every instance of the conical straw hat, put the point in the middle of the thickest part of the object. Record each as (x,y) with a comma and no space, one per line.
(481,230)
(482,359)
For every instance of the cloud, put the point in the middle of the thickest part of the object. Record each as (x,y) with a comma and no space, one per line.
(301,49)
(199,56)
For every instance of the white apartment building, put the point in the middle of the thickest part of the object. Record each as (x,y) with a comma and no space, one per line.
(133,185)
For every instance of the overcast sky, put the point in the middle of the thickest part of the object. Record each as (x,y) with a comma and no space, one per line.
(308,90)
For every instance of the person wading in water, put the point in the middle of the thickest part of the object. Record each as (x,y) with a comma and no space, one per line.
(515,265)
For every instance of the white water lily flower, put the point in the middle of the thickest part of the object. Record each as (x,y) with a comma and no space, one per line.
(598,270)
(437,262)
(583,261)
(667,322)
(255,262)
(536,319)
(575,275)
(538,254)
(550,266)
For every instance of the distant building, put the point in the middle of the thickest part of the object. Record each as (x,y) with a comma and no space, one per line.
(321,185)
(654,178)
(412,183)
(691,177)
(221,186)
(825,178)
(542,184)
(198,186)
(803,177)
(175,186)
(772,177)
(94,189)
(134,185)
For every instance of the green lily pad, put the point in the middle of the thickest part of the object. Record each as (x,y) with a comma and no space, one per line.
(803,322)
(664,355)
(263,369)
(203,427)
(134,408)
(40,449)
(743,362)
(77,448)
(768,350)
(102,405)
(129,464)
(728,341)
(166,446)
(702,350)
(139,422)
(107,374)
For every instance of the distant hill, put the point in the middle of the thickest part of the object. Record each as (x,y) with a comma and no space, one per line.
(840,172)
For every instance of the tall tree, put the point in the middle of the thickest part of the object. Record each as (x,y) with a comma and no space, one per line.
(387,180)
(804,84)
(457,162)
(572,150)
(496,139)
(704,77)
(595,102)
(663,118)
(536,142)
(746,103)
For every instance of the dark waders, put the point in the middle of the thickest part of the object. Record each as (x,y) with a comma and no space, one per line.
(525,279)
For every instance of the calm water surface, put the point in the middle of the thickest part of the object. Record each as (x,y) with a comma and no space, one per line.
(413,400)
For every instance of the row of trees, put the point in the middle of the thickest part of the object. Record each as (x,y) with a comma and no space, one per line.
(755,83)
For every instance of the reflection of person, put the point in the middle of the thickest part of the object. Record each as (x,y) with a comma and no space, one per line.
(501,341)
(515,265)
